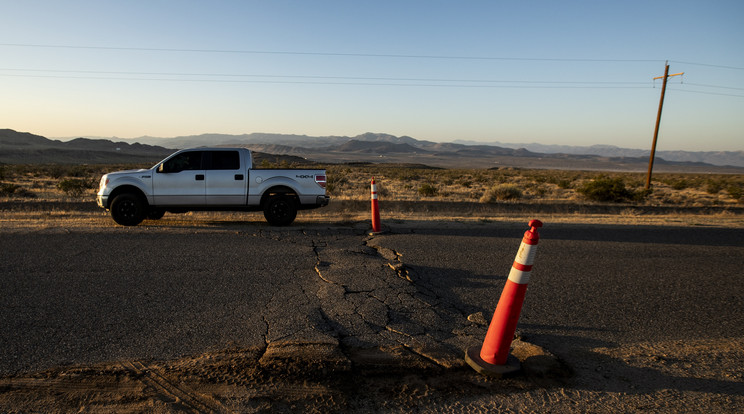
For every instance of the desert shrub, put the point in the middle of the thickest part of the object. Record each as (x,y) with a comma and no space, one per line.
(14,190)
(80,171)
(501,178)
(690,182)
(428,190)
(75,187)
(564,184)
(736,191)
(54,171)
(538,178)
(335,182)
(501,192)
(7,189)
(403,174)
(330,188)
(641,195)
(481,178)
(713,187)
(604,188)
(680,184)
(382,190)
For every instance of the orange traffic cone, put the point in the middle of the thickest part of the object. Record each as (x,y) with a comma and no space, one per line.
(376,228)
(493,357)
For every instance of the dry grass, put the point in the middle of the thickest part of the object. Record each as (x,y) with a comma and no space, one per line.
(407,193)
(537,186)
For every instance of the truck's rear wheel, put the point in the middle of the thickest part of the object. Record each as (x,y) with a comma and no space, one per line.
(128,209)
(280,210)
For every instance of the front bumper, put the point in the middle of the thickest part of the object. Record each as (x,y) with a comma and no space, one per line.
(102,200)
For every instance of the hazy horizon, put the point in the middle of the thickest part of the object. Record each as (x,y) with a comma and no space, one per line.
(459,141)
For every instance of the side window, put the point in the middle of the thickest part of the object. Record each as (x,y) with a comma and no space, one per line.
(225,160)
(190,160)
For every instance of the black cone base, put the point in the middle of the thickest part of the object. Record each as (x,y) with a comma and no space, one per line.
(510,369)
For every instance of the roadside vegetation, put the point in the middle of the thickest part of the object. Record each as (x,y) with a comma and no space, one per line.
(513,185)
(420,183)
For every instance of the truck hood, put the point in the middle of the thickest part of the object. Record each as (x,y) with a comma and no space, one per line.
(125,172)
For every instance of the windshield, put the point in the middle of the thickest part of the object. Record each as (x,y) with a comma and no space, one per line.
(161,161)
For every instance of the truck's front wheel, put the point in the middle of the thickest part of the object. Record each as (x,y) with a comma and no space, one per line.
(155,213)
(280,210)
(128,210)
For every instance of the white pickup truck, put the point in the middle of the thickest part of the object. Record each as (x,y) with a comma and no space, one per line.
(210,179)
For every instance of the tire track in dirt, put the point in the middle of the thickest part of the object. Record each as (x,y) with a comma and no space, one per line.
(170,391)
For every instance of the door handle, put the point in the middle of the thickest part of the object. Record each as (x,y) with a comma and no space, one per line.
(199,177)
(238,177)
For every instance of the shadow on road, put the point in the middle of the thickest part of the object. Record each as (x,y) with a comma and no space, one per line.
(603,366)
(702,236)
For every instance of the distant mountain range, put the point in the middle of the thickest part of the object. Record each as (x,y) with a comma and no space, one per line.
(733,158)
(26,148)
(720,158)
(19,147)
(381,144)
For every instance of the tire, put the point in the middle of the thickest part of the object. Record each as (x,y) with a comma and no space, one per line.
(128,209)
(280,210)
(155,214)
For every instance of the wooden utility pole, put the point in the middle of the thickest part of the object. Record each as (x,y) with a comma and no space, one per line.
(658,121)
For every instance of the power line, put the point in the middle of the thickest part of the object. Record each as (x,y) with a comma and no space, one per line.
(284,52)
(708,93)
(538,82)
(308,82)
(341,80)
(369,55)
(714,86)
(708,65)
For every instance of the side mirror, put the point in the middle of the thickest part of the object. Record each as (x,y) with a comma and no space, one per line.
(167,168)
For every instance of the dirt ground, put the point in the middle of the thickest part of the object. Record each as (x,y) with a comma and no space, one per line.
(695,376)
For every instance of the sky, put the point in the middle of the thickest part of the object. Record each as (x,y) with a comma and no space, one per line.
(549,72)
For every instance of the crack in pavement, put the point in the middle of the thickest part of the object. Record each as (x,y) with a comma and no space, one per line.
(297,333)
(363,300)
(372,307)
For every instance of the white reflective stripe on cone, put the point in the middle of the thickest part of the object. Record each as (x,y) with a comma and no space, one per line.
(526,254)
(519,277)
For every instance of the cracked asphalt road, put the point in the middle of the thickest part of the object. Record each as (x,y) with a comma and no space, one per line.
(161,293)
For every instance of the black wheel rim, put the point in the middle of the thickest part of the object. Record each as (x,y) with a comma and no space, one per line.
(280,209)
(127,209)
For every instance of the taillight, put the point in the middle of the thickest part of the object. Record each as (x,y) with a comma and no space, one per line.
(321,180)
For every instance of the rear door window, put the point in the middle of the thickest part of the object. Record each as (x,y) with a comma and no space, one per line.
(225,160)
